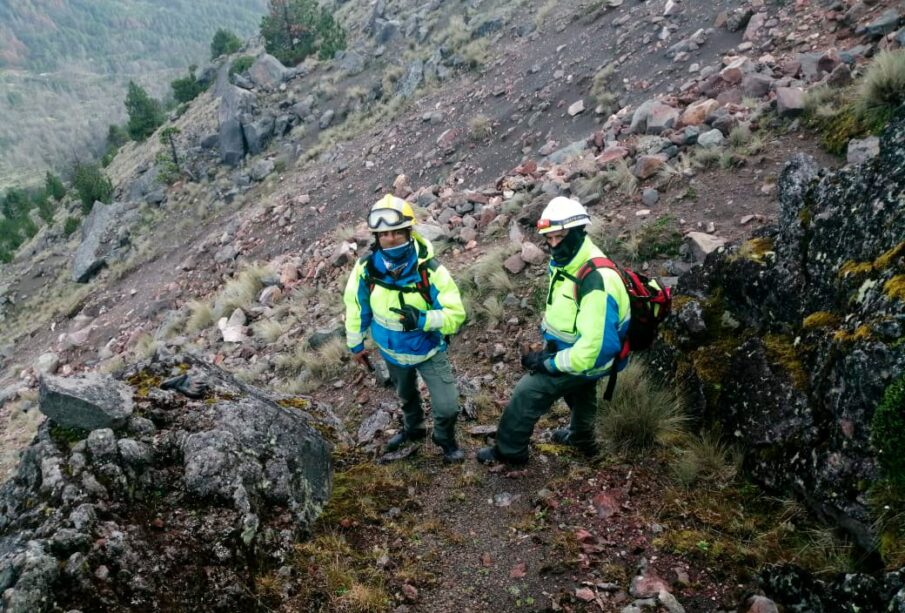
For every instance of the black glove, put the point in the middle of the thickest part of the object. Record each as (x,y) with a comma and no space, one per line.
(534,362)
(409,317)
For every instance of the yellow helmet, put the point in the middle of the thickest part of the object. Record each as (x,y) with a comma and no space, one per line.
(390,213)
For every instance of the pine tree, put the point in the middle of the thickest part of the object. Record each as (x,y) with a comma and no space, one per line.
(187,88)
(145,114)
(224,43)
(54,187)
(294,29)
(91,185)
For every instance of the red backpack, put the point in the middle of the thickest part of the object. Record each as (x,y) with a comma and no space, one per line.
(650,303)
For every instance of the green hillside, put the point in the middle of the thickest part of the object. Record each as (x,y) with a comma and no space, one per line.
(64,68)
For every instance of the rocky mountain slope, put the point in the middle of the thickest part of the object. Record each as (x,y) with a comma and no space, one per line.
(673,122)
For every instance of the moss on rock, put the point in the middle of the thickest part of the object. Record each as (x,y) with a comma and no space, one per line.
(895,288)
(887,432)
(820,319)
(783,352)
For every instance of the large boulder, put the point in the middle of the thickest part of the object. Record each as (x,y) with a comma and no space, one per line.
(105,238)
(800,333)
(233,104)
(170,510)
(85,403)
(268,72)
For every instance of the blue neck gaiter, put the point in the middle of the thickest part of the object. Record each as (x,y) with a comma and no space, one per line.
(396,258)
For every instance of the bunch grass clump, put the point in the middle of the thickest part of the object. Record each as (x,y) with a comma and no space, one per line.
(643,414)
(621,177)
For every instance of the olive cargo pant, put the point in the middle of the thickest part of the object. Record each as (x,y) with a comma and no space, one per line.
(533,396)
(441,383)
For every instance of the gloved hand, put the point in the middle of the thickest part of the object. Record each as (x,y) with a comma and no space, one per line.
(363,358)
(409,317)
(534,362)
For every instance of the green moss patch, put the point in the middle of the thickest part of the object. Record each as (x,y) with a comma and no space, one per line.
(783,353)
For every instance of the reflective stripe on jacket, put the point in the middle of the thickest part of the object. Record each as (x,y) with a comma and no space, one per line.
(587,337)
(368,309)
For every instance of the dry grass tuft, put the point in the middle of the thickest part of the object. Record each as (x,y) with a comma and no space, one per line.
(642,414)
(201,316)
(267,330)
(622,179)
(480,127)
(705,458)
(882,90)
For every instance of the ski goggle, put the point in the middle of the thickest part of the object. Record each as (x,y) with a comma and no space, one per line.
(388,218)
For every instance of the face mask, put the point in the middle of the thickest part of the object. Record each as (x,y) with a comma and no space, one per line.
(568,247)
(399,255)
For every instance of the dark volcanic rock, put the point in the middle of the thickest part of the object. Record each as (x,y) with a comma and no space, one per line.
(801,332)
(178,516)
(87,403)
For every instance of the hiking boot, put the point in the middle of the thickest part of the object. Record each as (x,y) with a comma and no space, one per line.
(453,455)
(451,452)
(565,436)
(486,455)
(401,438)
(562,436)
(489,455)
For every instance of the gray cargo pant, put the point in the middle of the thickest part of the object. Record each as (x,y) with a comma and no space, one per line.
(441,383)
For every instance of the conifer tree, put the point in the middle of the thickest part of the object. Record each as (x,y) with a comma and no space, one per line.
(294,29)
(224,43)
(145,114)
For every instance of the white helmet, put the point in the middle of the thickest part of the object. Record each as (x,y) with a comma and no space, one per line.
(562,213)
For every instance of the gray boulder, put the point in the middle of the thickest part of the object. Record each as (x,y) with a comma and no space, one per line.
(105,238)
(268,72)
(89,402)
(233,104)
(413,77)
(257,133)
(887,22)
(863,149)
(352,62)
(231,483)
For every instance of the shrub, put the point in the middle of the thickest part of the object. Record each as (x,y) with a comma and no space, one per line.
(187,88)
(882,90)
(54,187)
(241,64)
(887,432)
(91,185)
(145,114)
(295,29)
(224,43)
(642,414)
(70,225)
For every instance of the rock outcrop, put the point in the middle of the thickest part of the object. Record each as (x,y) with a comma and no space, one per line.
(174,506)
(789,340)
(105,238)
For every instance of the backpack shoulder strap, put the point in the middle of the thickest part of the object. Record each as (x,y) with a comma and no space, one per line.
(424,283)
(589,267)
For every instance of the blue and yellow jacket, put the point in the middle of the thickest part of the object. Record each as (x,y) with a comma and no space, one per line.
(588,336)
(368,307)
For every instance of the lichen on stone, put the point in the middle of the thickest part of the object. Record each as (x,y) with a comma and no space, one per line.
(820,319)
(895,288)
(886,259)
(855,269)
(861,333)
(756,249)
(783,352)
